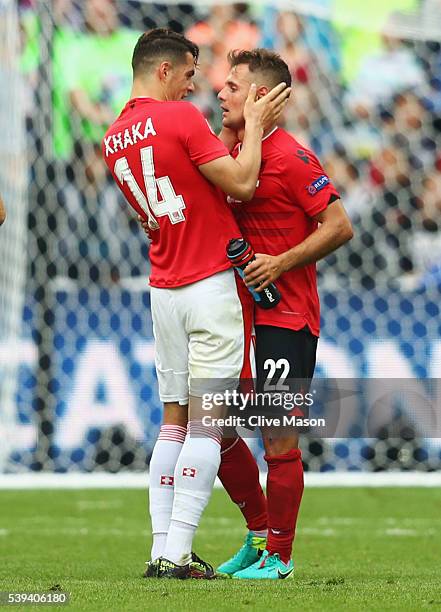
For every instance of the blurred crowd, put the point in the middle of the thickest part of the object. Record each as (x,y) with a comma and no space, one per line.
(367,102)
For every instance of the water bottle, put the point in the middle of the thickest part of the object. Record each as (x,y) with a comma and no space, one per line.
(240,254)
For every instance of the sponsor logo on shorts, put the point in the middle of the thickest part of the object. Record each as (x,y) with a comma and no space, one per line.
(189,471)
(318,184)
(167,480)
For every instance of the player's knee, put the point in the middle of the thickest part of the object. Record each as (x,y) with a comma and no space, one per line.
(275,445)
(175,414)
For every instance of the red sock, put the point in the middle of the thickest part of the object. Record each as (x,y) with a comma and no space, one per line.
(284,491)
(239,474)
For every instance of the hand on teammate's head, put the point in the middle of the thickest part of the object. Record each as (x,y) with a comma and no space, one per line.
(268,108)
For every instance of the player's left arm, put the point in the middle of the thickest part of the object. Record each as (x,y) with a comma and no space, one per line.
(334,230)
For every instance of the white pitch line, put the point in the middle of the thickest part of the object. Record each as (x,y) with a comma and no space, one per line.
(313,531)
(139,480)
(396,531)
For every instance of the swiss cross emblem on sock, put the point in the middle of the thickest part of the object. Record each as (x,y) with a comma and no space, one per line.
(189,472)
(167,480)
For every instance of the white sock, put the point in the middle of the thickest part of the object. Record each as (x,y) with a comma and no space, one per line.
(162,467)
(195,473)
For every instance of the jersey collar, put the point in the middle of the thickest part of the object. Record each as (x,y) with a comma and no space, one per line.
(264,138)
(270,133)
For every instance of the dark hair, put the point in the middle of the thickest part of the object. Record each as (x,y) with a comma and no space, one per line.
(264,61)
(161,43)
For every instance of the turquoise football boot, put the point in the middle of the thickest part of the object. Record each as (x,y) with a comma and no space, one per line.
(269,567)
(250,552)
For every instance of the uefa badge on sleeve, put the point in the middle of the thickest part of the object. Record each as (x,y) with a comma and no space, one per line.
(318,185)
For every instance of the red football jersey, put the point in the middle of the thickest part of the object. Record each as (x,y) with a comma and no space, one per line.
(292,189)
(153,151)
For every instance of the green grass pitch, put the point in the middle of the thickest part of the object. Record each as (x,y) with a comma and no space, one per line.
(356,549)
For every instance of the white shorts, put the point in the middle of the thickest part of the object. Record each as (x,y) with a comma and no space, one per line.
(199,334)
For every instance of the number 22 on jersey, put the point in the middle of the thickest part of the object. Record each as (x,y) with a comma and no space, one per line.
(171,204)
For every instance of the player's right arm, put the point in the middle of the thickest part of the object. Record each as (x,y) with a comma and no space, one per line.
(2,212)
(312,190)
(238,177)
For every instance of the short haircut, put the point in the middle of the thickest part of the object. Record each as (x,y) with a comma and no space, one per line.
(161,43)
(266,62)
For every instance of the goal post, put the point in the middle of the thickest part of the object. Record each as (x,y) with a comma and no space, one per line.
(13,234)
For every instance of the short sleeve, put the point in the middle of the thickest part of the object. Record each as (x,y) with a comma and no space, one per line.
(308,184)
(202,143)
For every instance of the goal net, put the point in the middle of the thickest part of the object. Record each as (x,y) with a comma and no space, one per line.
(366,99)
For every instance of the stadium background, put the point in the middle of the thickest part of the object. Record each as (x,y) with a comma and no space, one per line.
(78,390)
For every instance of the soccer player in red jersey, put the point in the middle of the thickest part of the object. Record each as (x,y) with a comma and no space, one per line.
(294,219)
(171,168)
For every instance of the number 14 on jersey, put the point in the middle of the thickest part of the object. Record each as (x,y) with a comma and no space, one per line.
(171,204)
